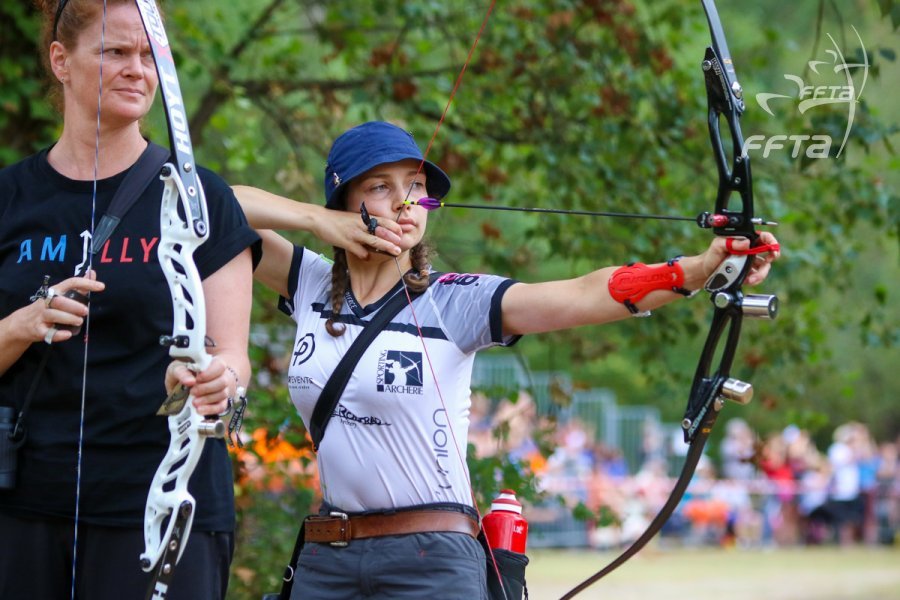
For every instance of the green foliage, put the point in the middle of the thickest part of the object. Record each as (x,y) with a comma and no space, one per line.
(266,531)
(26,123)
(495,473)
(603,516)
(891,9)
(582,104)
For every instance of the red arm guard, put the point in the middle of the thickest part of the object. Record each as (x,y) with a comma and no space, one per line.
(629,284)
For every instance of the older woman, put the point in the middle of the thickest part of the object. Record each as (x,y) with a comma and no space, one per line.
(76,504)
(73,506)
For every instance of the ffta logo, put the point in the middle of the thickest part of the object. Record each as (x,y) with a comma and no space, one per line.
(813,96)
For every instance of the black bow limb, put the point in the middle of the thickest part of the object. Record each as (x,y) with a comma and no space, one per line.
(713,385)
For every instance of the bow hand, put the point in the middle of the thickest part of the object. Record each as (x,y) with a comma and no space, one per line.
(208,389)
(726,259)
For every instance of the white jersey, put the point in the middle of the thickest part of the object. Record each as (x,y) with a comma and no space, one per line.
(389,442)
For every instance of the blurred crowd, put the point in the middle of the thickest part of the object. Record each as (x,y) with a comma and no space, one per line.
(758,490)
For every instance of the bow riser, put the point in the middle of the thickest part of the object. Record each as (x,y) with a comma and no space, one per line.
(737,177)
(733,93)
(170,507)
(169,499)
(178,242)
(168,492)
(707,387)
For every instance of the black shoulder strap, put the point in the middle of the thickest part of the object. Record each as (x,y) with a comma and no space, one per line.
(290,571)
(145,170)
(335,385)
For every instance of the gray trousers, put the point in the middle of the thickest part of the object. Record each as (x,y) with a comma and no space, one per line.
(435,566)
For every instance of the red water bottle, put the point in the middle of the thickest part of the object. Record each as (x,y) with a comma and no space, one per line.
(504,526)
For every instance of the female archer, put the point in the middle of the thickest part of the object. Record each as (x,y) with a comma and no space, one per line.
(392,457)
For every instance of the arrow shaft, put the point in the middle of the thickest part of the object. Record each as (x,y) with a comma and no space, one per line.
(568,212)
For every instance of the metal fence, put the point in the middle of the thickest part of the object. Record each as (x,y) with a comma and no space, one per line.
(635,431)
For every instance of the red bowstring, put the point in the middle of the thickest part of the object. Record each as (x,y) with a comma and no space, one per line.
(459,455)
(437,387)
(456,85)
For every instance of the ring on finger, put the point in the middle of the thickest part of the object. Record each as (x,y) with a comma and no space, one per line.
(48,337)
(51,294)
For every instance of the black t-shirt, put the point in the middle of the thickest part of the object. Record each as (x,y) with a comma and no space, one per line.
(44,223)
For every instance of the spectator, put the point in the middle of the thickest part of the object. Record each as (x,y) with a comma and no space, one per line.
(844,506)
(814,483)
(887,508)
(780,524)
(865,453)
(737,450)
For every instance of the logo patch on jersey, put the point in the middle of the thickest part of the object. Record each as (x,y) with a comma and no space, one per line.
(458,279)
(399,372)
(303,349)
(349,418)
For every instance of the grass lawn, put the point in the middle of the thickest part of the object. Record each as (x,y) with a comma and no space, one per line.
(819,573)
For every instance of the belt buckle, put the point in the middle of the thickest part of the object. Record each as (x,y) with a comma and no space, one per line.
(345,529)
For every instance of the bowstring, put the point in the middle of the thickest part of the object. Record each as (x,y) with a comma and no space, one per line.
(87,322)
(459,454)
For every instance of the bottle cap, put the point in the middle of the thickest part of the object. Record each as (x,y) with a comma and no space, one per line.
(507,501)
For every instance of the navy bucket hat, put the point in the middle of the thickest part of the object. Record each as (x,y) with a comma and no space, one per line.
(368,145)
